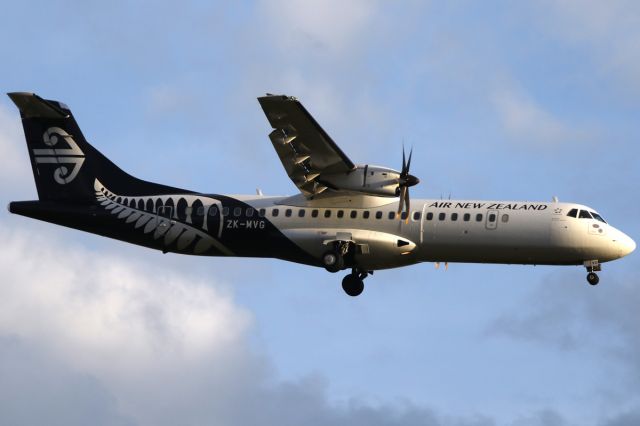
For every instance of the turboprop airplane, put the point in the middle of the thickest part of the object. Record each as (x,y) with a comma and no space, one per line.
(346,216)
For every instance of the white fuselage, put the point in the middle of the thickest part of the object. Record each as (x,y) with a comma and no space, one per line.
(511,232)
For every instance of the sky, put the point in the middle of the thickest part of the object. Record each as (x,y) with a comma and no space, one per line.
(499,100)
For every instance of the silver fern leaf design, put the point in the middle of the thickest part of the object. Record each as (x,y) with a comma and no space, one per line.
(185,236)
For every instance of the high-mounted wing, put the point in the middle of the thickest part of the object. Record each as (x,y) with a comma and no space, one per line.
(307,152)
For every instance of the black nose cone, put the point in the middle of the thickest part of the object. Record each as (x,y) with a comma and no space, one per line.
(412,180)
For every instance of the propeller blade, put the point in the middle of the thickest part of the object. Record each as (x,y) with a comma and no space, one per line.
(403,194)
(409,161)
(364,179)
(407,204)
(404,165)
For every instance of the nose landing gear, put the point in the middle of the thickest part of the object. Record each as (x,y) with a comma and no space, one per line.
(592,267)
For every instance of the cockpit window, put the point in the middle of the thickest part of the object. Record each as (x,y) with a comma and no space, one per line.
(573,213)
(596,216)
(585,215)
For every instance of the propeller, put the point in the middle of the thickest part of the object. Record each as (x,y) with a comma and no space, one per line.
(405,181)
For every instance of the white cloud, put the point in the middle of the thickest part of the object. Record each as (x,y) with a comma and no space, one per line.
(609,30)
(90,337)
(330,24)
(15,172)
(527,121)
(131,326)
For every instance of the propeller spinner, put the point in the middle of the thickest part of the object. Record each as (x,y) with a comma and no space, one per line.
(405,181)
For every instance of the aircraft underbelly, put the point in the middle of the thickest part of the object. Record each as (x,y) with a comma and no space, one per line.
(519,241)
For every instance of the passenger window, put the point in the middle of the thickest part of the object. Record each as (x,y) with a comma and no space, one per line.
(213,210)
(354,214)
(392,215)
(404,215)
(327,213)
(378,215)
(479,217)
(237,211)
(492,217)
(585,215)
(430,216)
(505,218)
(301,213)
(249,212)
(365,214)
(454,216)
(200,211)
(442,216)
(225,211)
(262,212)
(416,215)
(573,213)
(340,214)
(466,217)
(314,213)
(275,212)
(287,212)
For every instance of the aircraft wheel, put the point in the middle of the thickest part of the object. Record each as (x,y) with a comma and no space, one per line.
(352,285)
(592,278)
(332,261)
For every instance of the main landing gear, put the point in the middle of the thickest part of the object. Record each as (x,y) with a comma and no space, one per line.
(592,267)
(340,257)
(353,283)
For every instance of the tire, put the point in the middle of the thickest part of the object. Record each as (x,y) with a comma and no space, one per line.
(352,285)
(592,278)
(332,261)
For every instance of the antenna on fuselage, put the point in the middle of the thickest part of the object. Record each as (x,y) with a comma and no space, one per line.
(555,199)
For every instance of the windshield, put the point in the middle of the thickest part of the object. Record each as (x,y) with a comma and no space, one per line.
(596,216)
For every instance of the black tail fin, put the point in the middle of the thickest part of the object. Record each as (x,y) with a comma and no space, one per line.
(65,166)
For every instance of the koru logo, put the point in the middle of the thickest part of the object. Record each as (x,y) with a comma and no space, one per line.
(71,156)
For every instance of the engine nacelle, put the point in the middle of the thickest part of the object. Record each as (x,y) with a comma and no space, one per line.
(374,180)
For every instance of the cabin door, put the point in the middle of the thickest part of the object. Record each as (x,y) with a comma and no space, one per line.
(492,219)
(423,220)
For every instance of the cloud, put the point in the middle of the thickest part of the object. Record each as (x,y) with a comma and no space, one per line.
(630,418)
(142,333)
(608,30)
(330,25)
(15,172)
(598,324)
(125,342)
(37,389)
(527,121)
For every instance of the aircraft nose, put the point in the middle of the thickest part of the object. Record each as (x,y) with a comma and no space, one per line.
(627,245)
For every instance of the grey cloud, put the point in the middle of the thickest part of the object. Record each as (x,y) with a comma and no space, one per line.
(565,314)
(541,418)
(35,389)
(630,418)
(89,338)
